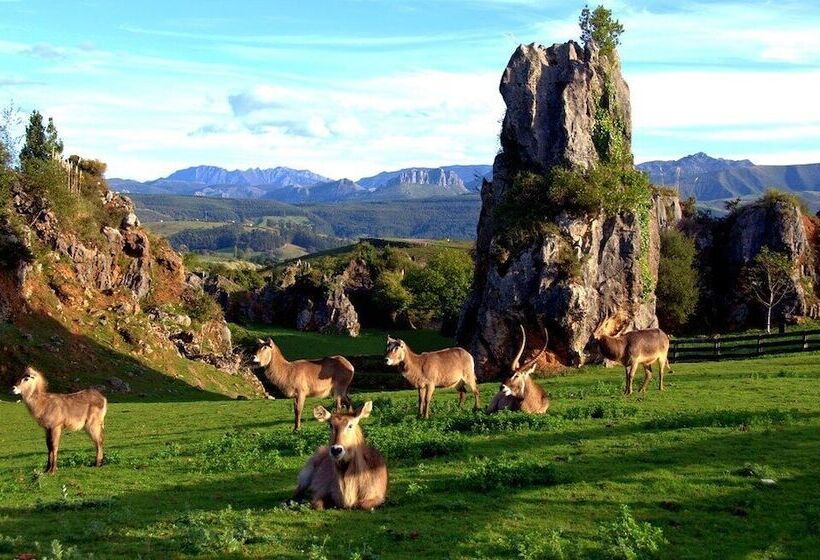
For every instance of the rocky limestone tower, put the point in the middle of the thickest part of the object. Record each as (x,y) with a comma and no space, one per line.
(568,108)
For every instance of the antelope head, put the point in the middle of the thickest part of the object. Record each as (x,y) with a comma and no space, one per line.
(31,382)
(264,352)
(612,325)
(345,433)
(395,352)
(515,384)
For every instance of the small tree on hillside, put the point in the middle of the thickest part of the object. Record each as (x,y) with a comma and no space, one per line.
(769,280)
(599,26)
(54,146)
(10,122)
(36,146)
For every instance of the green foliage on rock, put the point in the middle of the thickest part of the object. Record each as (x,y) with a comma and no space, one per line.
(599,26)
(677,290)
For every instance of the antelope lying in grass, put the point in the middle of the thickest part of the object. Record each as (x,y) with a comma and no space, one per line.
(345,473)
(55,412)
(305,378)
(519,391)
(451,367)
(634,349)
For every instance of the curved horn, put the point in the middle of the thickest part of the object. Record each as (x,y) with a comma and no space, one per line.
(515,361)
(541,353)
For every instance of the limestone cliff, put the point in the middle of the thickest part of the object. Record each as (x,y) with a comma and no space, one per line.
(567,108)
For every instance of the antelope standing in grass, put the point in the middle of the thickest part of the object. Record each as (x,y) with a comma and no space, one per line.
(305,378)
(451,367)
(519,391)
(634,349)
(54,412)
(346,473)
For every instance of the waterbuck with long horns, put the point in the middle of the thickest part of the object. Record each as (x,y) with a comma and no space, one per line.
(346,473)
(634,349)
(519,392)
(55,412)
(451,367)
(305,378)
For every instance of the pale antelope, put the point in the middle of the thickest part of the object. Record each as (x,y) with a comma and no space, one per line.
(451,367)
(54,412)
(519,391)
(634,349)
(346,473)
(305,378)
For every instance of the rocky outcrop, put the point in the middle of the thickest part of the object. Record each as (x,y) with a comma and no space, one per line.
(726,246)
(578,268)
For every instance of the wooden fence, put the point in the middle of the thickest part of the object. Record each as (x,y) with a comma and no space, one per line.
(741,346)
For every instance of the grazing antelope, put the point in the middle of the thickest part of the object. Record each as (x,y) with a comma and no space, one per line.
(305,378)
(346,473)
(519,391)
(451,367)
(634,349)
(81,410)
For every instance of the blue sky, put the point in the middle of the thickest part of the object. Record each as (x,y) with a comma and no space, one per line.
(350,88)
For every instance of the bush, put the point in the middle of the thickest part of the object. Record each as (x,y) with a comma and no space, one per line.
(552,546)
(627,539)
(504,421)
(413,441)
(774,196)
(238,451)
(611,410)
(223,531)
(439,289)
(677,290)
(502,472)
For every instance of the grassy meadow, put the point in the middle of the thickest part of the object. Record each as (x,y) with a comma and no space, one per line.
(210,479)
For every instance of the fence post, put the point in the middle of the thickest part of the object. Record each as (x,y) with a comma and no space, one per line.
(717,346)
(674,350)
(805,341)
(759,344)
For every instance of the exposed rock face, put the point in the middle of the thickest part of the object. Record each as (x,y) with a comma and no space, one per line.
(438,177)
(552,95)
(726,246)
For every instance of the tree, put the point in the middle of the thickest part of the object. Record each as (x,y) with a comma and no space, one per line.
(677,289)
(598,26)
(10,121)
(36,146)
(732,205)
(54,146)
(769,280)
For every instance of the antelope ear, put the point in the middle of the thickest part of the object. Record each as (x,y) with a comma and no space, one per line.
(367,408)
(270,341)
(529,371)
(320,413)
(260,342)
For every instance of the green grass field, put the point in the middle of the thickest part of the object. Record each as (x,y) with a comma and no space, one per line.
(208,479)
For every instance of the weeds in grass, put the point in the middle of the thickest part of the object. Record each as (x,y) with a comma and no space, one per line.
(8,544)
(317,550)
(610,410)
(364,552)
(57,551)
(238,451)
(504,472)
(414,441)
(501,422)
(35,479)
(223,531)
(738,419)
(627,539)
(600,388)
(753,470)
(551,546)
(301,443)
(416,489)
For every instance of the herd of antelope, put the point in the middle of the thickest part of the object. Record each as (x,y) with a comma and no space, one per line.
(347,473)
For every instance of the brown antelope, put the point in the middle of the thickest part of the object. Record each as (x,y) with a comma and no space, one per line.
(634,349)
(54,412)
(305,378)
(519,391)
(451,367)
(346,473)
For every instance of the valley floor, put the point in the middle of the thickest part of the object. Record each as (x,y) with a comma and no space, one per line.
(208,479)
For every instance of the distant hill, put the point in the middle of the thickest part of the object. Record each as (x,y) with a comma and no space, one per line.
(707,178)
(284,184)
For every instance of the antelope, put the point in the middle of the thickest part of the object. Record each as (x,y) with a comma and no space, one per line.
(346,473)
(54,412)
(519,391)
(451,367)
(633,349)
(305,378)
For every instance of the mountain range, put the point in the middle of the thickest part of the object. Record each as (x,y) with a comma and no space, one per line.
(699,175)
(284,184)
(710,179)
